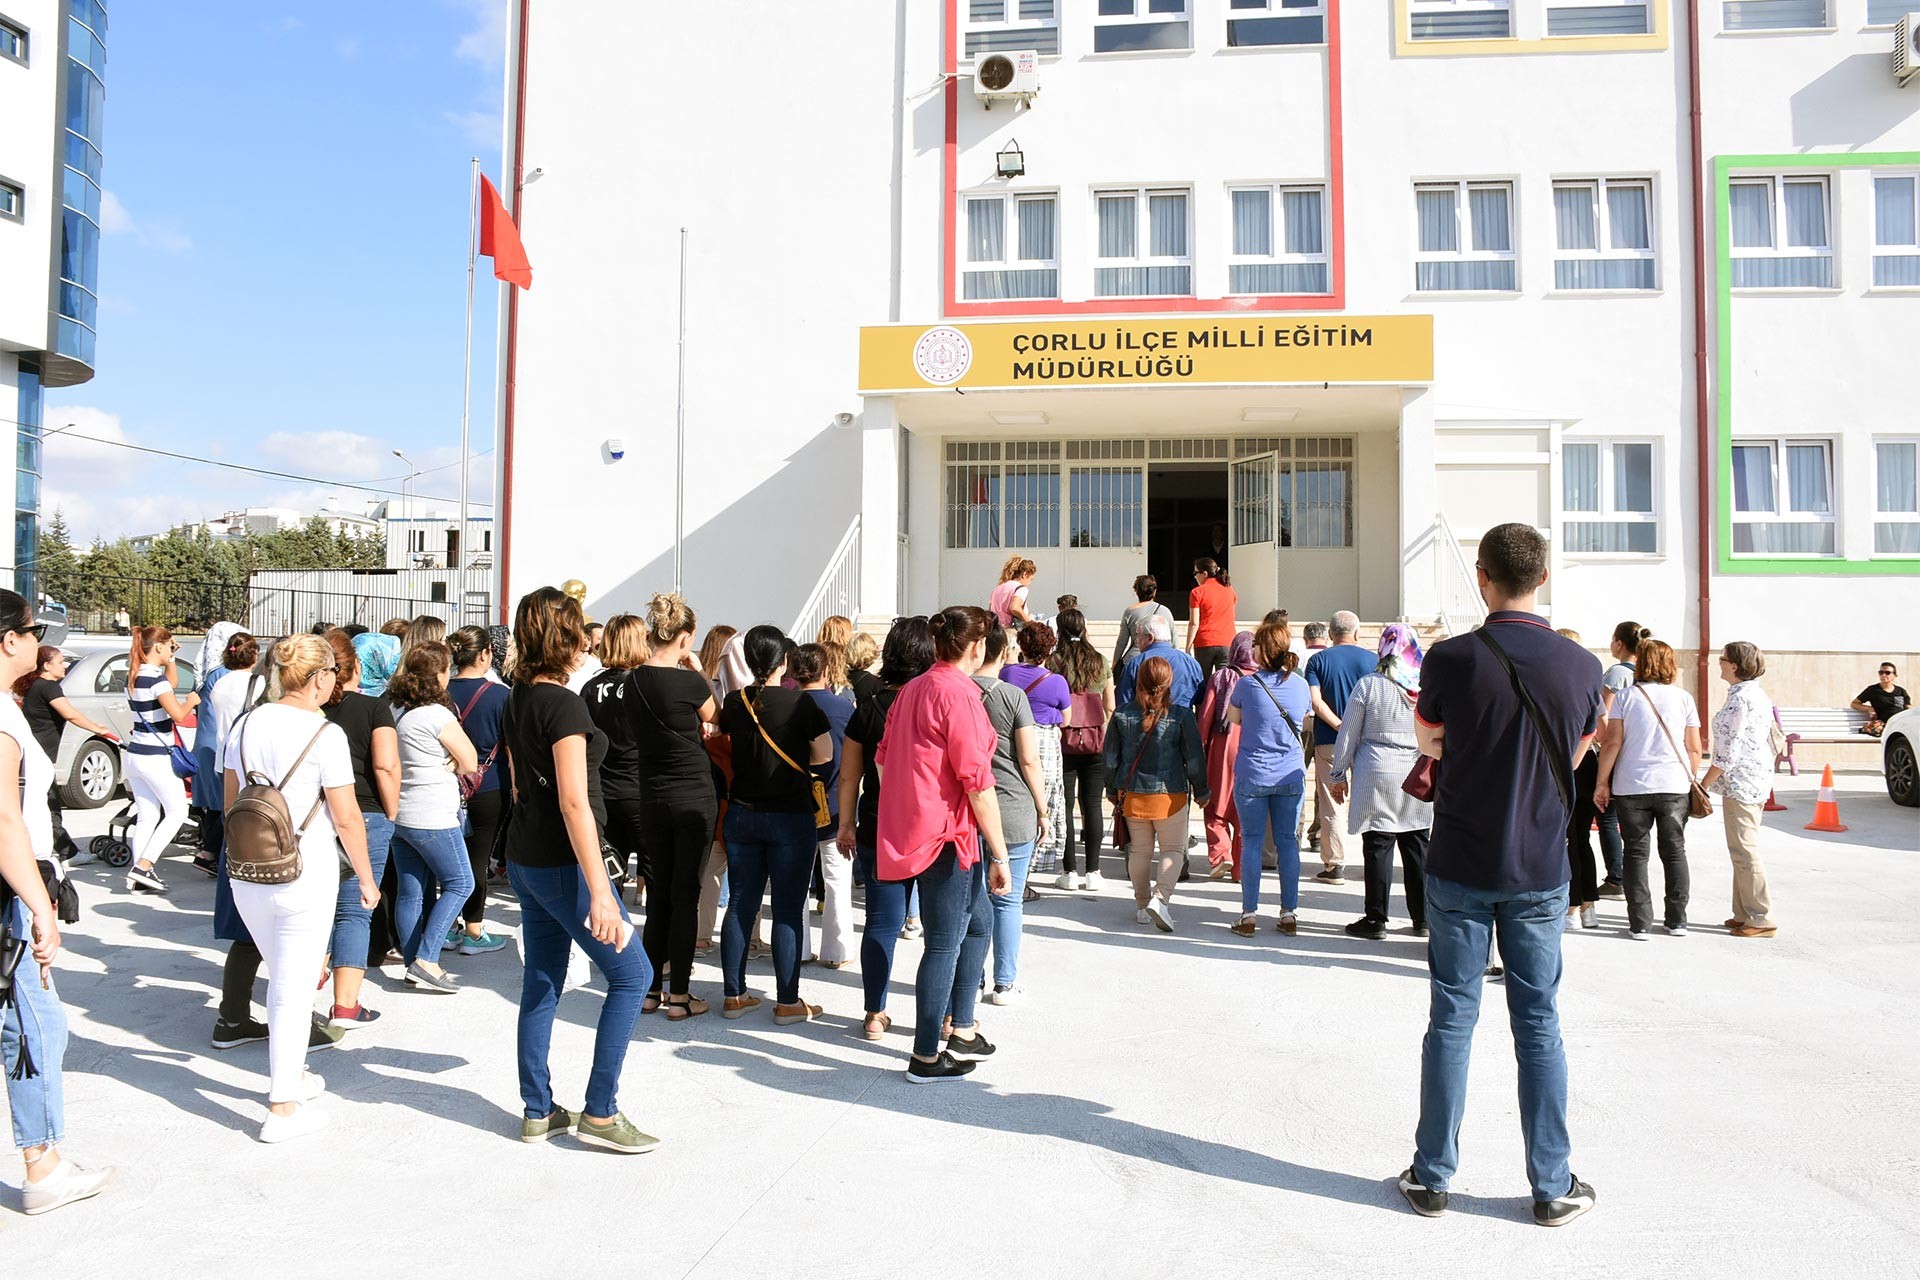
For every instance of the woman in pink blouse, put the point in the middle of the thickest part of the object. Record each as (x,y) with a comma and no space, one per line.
(937,809)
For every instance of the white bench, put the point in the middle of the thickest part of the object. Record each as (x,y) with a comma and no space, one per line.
(1819,724)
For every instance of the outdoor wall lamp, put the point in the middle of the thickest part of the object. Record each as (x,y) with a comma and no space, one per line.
(1009,160)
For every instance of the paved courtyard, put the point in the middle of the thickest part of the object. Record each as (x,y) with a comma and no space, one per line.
(1195,1104)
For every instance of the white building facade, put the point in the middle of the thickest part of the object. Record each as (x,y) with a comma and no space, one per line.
(52,99)
(1348,283)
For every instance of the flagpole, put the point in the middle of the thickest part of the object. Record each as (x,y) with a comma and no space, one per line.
(462,552)
(680,430)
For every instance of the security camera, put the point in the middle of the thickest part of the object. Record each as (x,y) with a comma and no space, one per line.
(842,419)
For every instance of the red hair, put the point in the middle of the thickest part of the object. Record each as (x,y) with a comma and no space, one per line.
(144,641)
(1153,689)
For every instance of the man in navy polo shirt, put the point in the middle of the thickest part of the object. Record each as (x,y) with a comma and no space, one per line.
(1497,864)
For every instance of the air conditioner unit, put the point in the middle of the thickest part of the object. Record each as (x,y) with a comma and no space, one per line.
(1906,48)
(998,76)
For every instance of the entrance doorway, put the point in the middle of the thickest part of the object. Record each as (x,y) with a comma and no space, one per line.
(1186,509)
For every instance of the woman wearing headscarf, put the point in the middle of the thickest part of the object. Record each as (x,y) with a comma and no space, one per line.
(209,788)
(1376,749)
(1220,739)
(379,656)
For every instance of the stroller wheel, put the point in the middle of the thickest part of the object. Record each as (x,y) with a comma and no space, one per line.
(99,845)
(118,853)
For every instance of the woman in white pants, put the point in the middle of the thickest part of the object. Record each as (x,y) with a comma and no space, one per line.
(159,794)
(289,743)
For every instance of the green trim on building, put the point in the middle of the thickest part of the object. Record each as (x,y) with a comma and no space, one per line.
(1723,169)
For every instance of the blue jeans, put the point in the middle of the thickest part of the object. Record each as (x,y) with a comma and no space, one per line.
(886,915)
(439,856)
(554,904)
(1008,913)
(765,846)
(351,921)
(1275,809)
(959,925)
(38,1103)
(1463,923)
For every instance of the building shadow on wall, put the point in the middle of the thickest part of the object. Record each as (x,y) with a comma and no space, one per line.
(1831,111)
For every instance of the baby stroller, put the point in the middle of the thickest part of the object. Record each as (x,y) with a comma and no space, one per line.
(116,848)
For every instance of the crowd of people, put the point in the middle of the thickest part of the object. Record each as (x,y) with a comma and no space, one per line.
(942,769)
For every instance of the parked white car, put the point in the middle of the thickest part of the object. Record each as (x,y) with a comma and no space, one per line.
(87,769)
(1898,747)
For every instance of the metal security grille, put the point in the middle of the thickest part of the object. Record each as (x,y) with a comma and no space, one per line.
(1102,450)
(973,495)
(1316,492)
(1106,506)
(1248,446)
(1033,504)
(1252,497)
(1187,450)
(1033,450)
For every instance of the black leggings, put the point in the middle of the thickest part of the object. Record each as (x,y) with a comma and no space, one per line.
(673,840)
(483,819)
(1585,886)
(1088,776)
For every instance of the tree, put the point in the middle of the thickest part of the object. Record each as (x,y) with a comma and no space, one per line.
(57,562)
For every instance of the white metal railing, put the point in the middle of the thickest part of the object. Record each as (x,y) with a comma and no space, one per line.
(1461,608)
(837,591)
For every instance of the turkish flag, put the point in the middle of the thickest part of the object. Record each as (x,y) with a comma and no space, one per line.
(500,239)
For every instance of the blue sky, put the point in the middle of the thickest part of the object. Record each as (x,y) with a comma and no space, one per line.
(283,275)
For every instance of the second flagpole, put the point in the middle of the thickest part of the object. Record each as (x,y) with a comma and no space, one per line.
(462,553)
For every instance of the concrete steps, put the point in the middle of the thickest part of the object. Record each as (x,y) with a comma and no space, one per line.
(1105,633)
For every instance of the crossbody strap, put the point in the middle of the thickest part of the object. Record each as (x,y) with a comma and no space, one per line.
(1559,765)
(748,704)
(1678,754)
(292,769)
(467,710)
(1298,736)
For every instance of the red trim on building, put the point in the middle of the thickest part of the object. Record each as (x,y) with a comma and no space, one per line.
(510,366)
(1336,212)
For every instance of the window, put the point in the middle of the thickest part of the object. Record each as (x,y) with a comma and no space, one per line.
(1896,236)
(1279,241)
(1106,506)
(1252,23)
(1316,493)
(1003,26)
(1466,237)
(1140,26)
(1606,498)
(1597,18)
(1896,522)
(1156,264)
(1885,13)
(13,200)
(1780,233)
(13,41)
(995,489)
(1772,15)
(1603,228)
(1024,264)
(1460,19)
(1783,497)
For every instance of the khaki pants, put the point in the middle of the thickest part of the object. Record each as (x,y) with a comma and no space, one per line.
(1329,814)
(1156,874)
(1751,901)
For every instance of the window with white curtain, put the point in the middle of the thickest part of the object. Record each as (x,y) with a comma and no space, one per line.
(1465,237)
(1772,15)
(1012,247)
(1004,26)
(1279,240)
(1782,233)
(1896,518)
(1141,26)
(1144,244)
(1254,23)
(1460,19)
(1884,13)
(1607,500)
(1783,497)
(1603,229)
(1896,230)
(1598,18)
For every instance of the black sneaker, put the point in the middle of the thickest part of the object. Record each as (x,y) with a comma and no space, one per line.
(941,1070)
(231,1035)
(1368,927)
(1428,1204)
(147,879)
(1495,971)
(1419,931)
(1331,875)
(978,1047)
(1561,1210)
(1613,889)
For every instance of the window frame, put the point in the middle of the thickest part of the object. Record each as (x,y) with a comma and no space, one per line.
(1604,249)
(998,462)
(1782,512)
(1776,184)
(1011,23)
(1277,232)
(1826,24)
(1608,512)
(22,52)
(1255,10)
(1893,518)
(1010,201)
(1463,189)
(16,195)
(1906,249)
(1870,25)
(1415,7)
(1142,16)
(1548,6)
(1143,259)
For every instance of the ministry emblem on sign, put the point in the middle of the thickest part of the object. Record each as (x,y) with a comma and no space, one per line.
(942,356)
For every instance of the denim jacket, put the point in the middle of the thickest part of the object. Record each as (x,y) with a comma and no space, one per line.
(1171,761)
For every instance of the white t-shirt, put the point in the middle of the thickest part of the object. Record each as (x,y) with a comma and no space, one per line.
(429,793)
(232,694)
(1648,764)
(39,780)
(589,667)
(274,736)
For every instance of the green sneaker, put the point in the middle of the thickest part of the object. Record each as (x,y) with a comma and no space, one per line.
(618,1134)
(560,1120)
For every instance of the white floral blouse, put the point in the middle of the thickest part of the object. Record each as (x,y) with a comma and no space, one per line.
(1741,749)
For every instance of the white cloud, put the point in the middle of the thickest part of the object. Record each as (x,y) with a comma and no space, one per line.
(74,458)
(345,455)
(479,129)
(486,41)
(116,220)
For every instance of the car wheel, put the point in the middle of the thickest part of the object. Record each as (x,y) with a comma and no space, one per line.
(95,777)
(1903,776)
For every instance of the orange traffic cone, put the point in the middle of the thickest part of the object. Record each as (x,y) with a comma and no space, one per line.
(1772,805)
(1826,812)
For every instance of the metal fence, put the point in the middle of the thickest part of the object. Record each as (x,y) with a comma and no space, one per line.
(109,605)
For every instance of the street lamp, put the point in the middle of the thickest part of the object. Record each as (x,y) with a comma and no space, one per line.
(406,505)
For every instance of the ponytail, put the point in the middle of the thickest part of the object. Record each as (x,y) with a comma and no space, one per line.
(145,640)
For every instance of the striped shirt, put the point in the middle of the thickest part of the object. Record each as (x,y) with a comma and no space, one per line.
(152,726)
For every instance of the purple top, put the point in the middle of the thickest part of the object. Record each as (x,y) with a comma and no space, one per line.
(1048,695)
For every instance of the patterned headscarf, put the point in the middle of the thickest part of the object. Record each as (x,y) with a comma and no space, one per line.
(213,649)
(379,657)
(499,638)
(1400,657)
(1240,662)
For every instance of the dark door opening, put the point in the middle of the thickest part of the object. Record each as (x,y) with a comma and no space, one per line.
(1186,519)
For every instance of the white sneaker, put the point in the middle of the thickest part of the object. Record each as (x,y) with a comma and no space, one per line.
(1677,930)
(1573,921)
(1067,881)
(312,1085)
(1639,937)
(1140,916)
(1005,995)
(1091,882)
(298,1123)
(1161,914)
(65,1185)
(1588,920)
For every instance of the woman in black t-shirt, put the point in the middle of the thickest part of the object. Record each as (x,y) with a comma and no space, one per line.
(360,937)
(776,734)
(48,713)
(554,755)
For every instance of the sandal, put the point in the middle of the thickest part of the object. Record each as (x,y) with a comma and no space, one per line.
(1246,926)
(1287,924)
(686,1007)
(785,1015)
(651,1003)
(739,1006)
(876,1026)
(756,949)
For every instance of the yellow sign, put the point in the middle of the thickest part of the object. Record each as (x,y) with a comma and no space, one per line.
(1180,351)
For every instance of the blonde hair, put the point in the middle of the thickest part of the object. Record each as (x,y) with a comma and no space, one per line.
(1569,633)
(835,656)
(862,652)
(425,629)
(294,663)
(668,618)
(835,630)
(1017,566)
(623,642)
